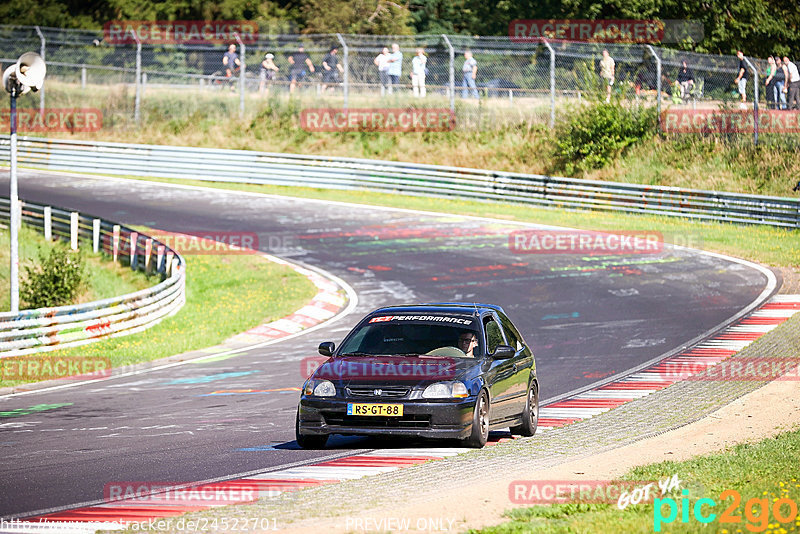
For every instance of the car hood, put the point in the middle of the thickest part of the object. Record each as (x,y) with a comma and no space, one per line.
(395,370)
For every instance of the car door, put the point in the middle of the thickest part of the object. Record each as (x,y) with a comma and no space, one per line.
(523,365)
(501,372)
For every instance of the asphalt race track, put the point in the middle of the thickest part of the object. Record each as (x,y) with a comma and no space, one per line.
(586,317)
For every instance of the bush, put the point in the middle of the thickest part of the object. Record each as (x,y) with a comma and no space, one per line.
(595,135)
(56,281)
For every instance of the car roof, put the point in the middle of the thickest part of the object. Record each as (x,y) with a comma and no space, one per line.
(468,308)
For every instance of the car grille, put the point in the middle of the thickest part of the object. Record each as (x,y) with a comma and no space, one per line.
(382,392)
(405,421)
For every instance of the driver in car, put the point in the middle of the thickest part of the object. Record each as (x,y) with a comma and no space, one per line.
(467,343)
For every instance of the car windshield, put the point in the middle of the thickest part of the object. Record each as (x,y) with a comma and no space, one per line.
(446,336)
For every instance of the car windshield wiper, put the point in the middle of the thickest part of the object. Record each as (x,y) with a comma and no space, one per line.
(356,354)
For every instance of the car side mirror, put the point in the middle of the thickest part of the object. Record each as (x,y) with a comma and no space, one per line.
(503,352)
(327,348)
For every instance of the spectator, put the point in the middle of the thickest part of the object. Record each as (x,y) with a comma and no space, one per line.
(607,68)
(769,82)
(793,79)
(331,68)
(741,78)
(395,66)
(780,83)
(267,73)
(418,72)
(382,62)
(230,64)
(298,63)
(470,73)
(685,79)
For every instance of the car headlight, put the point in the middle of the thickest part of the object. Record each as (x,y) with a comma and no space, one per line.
(445,390)
(319,388)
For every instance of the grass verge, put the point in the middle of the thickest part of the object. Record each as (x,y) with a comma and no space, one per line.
(104,278)
(770,246)
(763,475)
(225,295)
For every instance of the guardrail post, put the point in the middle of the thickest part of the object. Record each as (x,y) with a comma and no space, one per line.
(346,66)
(134,241)
(552,83)
(148,251)
(170,256)
(96,236)
(452,87)
(73,230)
(755,100)
(658,84)
(115,242)
(160,258)
(48,223)
(42,51)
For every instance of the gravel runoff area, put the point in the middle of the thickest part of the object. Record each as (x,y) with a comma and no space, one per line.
(326,507)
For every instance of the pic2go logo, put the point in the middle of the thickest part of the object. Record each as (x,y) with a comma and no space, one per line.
(756,510)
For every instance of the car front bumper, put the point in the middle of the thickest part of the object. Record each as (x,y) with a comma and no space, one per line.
(440,419)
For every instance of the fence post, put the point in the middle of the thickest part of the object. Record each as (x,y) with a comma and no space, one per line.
(658,84)
(73,230)
(346,61)
(452,73)
(138,99)
(552,83)
(242,72)
(48,223)
(755,100)
(96,236)
(41,53)
(144,83)
(83,76)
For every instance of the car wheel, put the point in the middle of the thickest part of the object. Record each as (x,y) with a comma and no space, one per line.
(306,441)
(530,415)
(480,423)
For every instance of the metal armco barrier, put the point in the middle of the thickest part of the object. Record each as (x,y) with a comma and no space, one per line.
(406,178)
(46,329)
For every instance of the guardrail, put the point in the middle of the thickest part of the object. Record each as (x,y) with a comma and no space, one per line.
(397,177)
(46,329)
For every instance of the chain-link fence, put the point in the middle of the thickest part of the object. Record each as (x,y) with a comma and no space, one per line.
(532,81)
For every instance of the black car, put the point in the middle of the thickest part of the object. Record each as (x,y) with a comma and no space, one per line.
(445,371)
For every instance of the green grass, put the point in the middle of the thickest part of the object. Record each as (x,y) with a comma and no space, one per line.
(225,295)
(770,246)
(104,278)
(763,470)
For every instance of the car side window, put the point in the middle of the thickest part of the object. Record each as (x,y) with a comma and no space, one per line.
(512,335)
(494,336)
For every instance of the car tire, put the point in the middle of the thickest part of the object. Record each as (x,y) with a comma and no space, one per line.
(306,441)
(480,423)
(530,415)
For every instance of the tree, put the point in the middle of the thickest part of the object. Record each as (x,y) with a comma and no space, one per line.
(375,17)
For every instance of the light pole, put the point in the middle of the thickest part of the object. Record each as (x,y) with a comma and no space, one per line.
(26,74)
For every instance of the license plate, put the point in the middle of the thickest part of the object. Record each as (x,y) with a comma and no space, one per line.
(386,410)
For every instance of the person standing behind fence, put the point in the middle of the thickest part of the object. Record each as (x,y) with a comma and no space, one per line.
(780,83)
(607,71)
(794,84)
(298,62)
(231,63)
(741,78)
(418,71)
(470,73)
(395,66)
(769,83)
(331,69)
(685,79)
(267,73)
(382,62)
